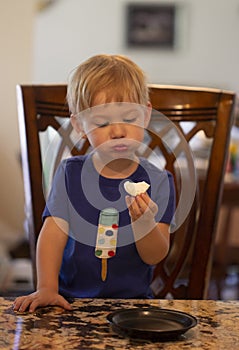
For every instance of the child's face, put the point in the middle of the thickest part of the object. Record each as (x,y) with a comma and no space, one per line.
(115,129)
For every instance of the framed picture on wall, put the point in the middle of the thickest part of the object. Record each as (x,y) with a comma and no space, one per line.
(150,25)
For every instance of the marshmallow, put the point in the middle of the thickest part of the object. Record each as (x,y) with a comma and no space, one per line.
(135,188)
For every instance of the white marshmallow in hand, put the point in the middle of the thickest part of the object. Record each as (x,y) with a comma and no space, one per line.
(136,188)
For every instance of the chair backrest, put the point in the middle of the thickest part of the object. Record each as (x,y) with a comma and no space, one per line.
(44,117)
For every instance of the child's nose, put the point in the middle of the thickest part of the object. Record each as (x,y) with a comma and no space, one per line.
(117,130)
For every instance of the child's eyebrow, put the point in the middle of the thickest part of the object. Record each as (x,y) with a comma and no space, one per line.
(108,110)
(104,113)
(111,115)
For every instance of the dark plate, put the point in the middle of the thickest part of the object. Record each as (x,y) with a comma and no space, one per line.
(151,323)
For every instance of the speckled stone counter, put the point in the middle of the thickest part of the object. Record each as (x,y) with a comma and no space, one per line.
(86,326)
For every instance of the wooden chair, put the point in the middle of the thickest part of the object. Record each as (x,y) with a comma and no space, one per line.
(225,252)
(185,272)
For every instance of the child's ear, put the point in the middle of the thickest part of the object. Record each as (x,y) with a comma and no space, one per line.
(77,125)
(147,116)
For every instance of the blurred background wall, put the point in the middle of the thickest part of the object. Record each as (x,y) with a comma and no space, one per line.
(45,45)
(16,62)
(206,52)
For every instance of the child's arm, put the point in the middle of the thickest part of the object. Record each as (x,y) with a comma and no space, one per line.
(151,238)
(50,247)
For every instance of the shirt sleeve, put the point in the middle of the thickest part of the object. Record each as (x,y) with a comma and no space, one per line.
(57,202)
(165,199)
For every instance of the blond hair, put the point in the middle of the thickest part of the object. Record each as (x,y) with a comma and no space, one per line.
(115,75)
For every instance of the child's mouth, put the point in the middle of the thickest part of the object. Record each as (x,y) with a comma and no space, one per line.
(120,148)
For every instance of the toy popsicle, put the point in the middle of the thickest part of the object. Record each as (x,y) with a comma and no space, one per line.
(106,240)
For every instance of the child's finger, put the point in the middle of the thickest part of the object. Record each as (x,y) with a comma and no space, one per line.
(151,205)
(134,209)
(129,200)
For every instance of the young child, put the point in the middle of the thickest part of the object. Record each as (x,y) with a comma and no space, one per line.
(109,102)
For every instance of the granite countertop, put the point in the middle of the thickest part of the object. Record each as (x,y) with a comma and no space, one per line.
(86,326)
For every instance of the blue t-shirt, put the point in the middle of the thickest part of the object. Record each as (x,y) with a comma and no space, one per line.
(78,195)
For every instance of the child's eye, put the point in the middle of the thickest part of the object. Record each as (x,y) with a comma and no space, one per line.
(102,125)
(130,120)
(99,121)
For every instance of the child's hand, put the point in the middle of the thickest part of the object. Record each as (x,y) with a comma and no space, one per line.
(151,237)
(142,211)
(42,297)
(141,207)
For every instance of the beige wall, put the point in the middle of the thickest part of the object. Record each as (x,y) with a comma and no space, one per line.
(206,52)
(16,41)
